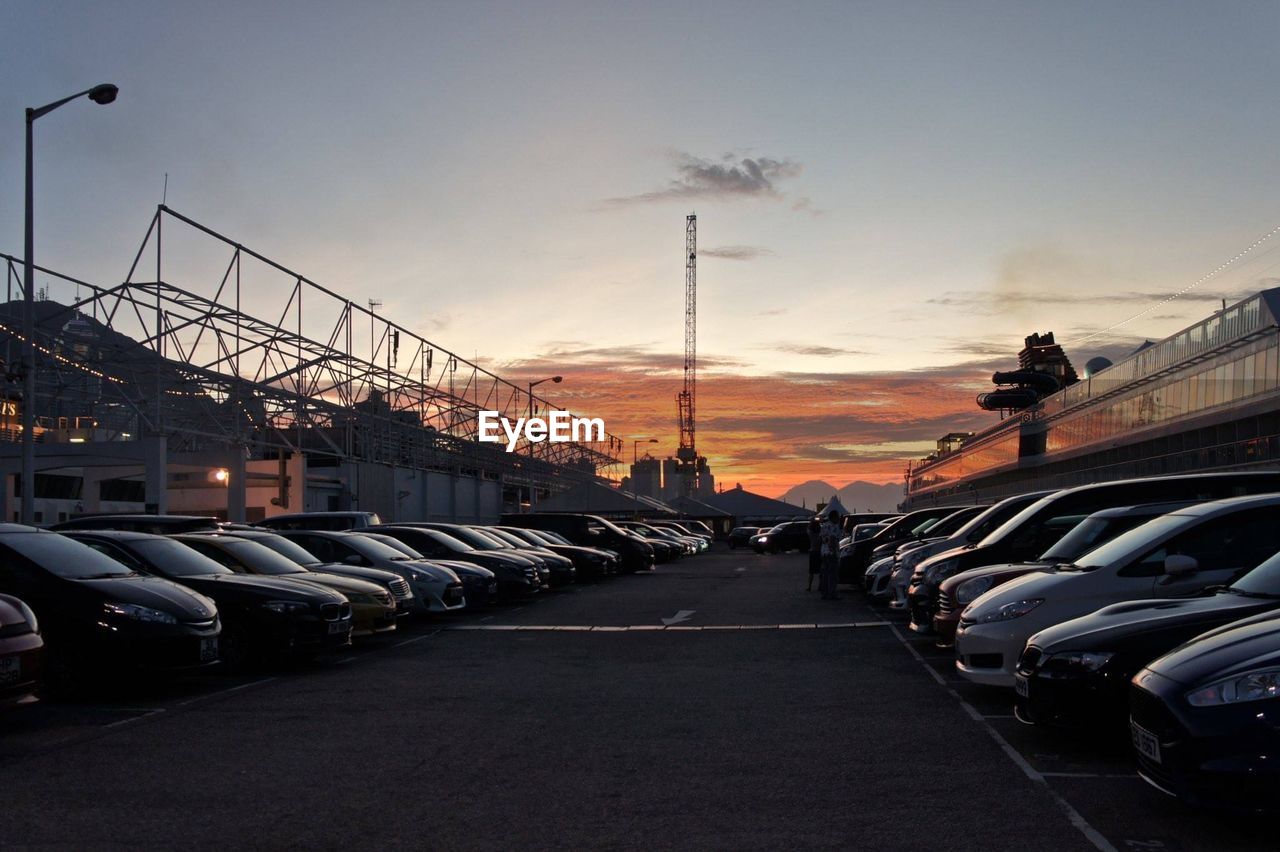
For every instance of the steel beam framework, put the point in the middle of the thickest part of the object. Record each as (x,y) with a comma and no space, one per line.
(153,357)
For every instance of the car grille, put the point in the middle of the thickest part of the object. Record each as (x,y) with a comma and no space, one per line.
(1029,660)
(384,598)
(1151,713)
(202,624)
(21,628)
(399,588)
(946,605)
(335,612)
(983,661)
(453,593)
(531,573)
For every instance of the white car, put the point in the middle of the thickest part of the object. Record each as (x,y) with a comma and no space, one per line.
(1174,555)
(877,577)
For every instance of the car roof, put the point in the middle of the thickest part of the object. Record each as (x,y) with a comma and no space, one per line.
(117,535)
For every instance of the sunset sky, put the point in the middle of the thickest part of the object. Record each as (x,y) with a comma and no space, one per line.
(890,195)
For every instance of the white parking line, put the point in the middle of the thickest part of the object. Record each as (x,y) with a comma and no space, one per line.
(132,719)
(1073,816)
(601,628)
(1135,776)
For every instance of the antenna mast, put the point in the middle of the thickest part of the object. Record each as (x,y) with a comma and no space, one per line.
(687,398)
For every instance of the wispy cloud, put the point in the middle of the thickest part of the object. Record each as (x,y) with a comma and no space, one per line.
(810,349)
(735,252)
(730,178)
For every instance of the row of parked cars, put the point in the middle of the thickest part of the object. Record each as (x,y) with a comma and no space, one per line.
(1144,608)
(115,595)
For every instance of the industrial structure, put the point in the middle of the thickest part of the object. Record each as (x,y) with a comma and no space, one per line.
(215,379)
(692,474)
(1206,398)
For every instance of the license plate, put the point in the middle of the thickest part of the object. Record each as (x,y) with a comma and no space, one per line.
(209,649)
(336,627)
(1020,685)
(1147,744)
(10,669)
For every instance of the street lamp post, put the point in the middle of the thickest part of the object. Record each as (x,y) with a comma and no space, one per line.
(104,93)
(634,458)
(533,488)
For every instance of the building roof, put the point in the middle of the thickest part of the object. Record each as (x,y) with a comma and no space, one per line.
(744,504)
(693,508)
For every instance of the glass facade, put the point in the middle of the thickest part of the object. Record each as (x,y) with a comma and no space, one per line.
(1220,365)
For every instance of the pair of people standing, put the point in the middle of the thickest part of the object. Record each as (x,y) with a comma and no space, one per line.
(824,555)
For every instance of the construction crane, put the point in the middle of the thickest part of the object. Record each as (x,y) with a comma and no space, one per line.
(686,400)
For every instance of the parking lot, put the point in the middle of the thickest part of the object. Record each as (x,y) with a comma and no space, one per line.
(713,703)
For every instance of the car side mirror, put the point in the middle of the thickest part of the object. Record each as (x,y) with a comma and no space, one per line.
(1179,565)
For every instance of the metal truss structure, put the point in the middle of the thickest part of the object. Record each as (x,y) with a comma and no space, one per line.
(308,371)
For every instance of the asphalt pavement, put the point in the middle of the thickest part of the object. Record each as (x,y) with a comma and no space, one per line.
(711,704)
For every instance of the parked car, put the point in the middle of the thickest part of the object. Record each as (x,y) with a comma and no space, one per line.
(1203,718)
(589,563)
(665,549)
(1029,533)
(790,535)
(589,531)
(336,521)
(1174,555)
(484,543)
(563,571)
(854,562)
(262,618)
(755,541)
(969,524)
(373,610)
(98,615)
(1078,672)
(517,578)
(850,522)
(157,524)
(479,585)
(396,585)
(435,589)
(741,536)
(960,590)
(21,652)
(686,527)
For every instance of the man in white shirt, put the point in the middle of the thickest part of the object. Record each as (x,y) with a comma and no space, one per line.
(830,536)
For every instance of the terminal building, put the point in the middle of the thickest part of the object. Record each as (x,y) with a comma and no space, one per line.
(1203,399)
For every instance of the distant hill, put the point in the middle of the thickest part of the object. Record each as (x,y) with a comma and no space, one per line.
(861,496)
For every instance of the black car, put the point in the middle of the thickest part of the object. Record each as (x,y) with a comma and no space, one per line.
(333,521)
(563,571)
(479,585)
(1078,671)
(158,524)
(664,548)
(855,561)
(741,536)
(791,535)
(1204,718)
(517,578)
(589,531)
(99,614)
(589,563)
(262,617)
(484,543)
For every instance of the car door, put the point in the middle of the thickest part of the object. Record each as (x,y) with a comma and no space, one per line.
(1224,548)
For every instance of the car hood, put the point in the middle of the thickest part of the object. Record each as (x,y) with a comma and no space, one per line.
(339,583)
(1037,584)
(157,593)
(360,572)
(1112,625)
(1007,569)
(266,588)
(459,567)
(1231,650)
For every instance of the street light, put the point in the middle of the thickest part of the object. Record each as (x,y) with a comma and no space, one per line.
(556,379)
(103,93)
(634,445)
(533,489)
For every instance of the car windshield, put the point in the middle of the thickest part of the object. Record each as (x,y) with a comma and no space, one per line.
(1083,537)
(553,537)
(1137,538)
(1263,581)
(65,557)
(496,539)
(174,559)
(509,538)
(287,548)
(473,538)
(527,536)
(454,544)
(371,549)
(261,559)
(395,544)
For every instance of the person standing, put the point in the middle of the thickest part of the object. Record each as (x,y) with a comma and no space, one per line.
(815,552)
(830,537)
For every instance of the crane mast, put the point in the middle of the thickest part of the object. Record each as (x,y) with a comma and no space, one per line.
(686,400)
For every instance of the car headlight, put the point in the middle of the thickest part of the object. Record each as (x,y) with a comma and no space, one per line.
(971,590)
(764,539)
(1254,686)
(1074,663)
(420,576)
(285,607)
(1009,611)
(139,613)
(941,570)
(28,616)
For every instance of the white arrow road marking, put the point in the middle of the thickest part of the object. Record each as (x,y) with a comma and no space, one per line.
(682,615)
(739,570)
